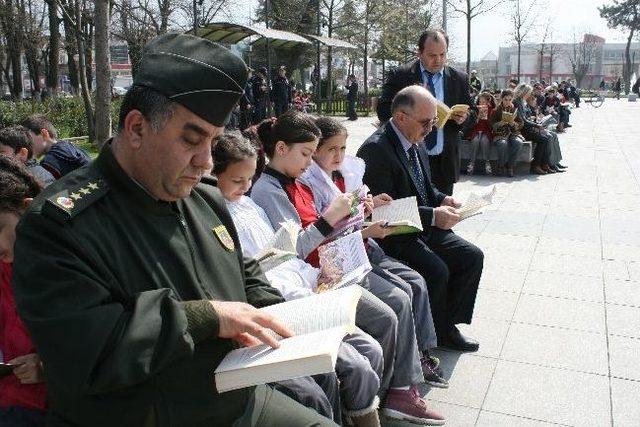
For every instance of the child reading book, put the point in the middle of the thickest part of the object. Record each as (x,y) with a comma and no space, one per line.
(359,362)
(22,390)
(506,126)
(333,173)
(480,135)
(289,144)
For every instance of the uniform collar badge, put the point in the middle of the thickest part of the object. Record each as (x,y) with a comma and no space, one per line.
(65,203)
(223,235)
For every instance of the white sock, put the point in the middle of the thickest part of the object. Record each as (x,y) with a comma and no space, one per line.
(407,387)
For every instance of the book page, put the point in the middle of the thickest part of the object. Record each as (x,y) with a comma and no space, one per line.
(342,261)
(476,202)
(333,309)
(301,355)
(281,248)
(399,212)
(444,112)
(508,117)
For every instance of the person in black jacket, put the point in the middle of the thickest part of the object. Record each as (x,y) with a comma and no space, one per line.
(246,102)
(448,86)
(259,88)
(281,92)
(397,164)
(352,97)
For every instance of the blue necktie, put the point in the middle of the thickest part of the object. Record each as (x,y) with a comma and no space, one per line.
(432,138)
(416,171)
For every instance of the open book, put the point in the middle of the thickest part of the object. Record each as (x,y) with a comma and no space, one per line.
(476,202)
(445,112)
(508,117)
(319,323)
(401,214)
(281,248)
(356,216)
(343,262)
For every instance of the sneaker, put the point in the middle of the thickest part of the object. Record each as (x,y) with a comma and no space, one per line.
(487,168)
(407,405)
(470,167)
(432,376)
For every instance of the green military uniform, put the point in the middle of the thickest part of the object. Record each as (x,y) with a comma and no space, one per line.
(114,331)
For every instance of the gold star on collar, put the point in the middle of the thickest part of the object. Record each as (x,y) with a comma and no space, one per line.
(76,196)
(85,191)
(92,186)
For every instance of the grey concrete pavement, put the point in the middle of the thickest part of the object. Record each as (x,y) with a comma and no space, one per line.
(558,311)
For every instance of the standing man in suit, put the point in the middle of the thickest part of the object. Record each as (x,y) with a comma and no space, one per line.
(398,164)
(447,85)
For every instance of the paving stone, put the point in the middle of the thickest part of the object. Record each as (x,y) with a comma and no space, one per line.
(555,347)
(493,419)
(490,333)
(551,245)
(625,357)
(502,278)
(567,264)
(560,312)
(623,292)
(622,320)
(469,376)
(625,396)
(563,285)
(549,394)
(496,305)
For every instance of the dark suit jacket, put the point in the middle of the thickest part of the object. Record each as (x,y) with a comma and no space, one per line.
(352,95)
(388,171)
(456,91)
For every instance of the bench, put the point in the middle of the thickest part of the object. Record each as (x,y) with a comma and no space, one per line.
(525,155)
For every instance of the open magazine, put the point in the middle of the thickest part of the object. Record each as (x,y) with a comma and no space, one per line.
(282,248)
(445,112)
(343,262)
(475,202)
(356,216)
(401,214)
(319,323)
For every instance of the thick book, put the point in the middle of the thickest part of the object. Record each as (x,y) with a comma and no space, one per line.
(508,117)
(343,262)
(445,112)
(401,214)
(319,323)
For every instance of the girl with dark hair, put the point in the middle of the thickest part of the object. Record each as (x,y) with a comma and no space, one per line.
(289,143)
(22,390)
(506,134)
(480,134)
(332,174)
(359,363)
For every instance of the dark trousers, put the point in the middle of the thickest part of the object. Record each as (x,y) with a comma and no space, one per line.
(452,268)
(245,118)
(542,151)
(438,176)
(259,111)
(280,108)
(351,109)
(19,416)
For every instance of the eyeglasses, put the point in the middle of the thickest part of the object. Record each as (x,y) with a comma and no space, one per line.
(427,124)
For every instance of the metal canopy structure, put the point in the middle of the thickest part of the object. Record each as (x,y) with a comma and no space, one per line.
(226,32)
(329,41)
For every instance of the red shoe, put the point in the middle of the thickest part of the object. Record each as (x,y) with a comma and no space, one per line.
(409,406)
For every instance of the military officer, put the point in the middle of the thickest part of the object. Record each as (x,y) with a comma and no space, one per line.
(128,272)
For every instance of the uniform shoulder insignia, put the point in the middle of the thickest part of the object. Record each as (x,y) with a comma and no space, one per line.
(66,204)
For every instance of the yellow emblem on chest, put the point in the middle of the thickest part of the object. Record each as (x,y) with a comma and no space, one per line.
(223,235)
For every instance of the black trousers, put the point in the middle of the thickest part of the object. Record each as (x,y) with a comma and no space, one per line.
(452,267)
(351,109)
(438,175)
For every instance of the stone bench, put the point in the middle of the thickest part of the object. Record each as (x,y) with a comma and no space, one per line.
(525,155)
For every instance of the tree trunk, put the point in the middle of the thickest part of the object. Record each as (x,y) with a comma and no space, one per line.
(468,16)
(54,49)
(103,73)
(88,56)
(82,61)
(627,69)
(71,46)
(519,53)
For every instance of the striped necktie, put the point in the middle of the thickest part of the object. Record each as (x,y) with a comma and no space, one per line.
(416,171)
(431,139)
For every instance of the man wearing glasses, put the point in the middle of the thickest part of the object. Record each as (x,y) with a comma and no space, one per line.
(447,85)
(398,164)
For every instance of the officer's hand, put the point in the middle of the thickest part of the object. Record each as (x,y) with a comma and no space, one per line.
(248,325)
(446,217)
(450,201)
(339,208)
(29,370)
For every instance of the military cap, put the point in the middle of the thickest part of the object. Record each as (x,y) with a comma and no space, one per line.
(202,76)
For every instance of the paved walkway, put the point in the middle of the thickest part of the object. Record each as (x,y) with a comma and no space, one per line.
(558,311)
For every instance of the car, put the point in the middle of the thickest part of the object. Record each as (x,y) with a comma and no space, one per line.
(119,91)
